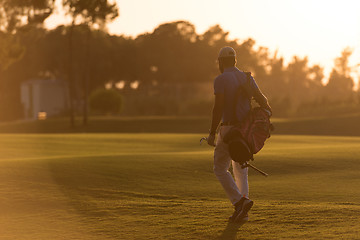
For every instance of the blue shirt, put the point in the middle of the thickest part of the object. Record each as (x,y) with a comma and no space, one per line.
(228,84)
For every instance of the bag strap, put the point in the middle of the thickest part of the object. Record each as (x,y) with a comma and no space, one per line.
(247,86)
(244,88)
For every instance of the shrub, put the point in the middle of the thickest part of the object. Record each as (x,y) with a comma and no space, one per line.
(105,101)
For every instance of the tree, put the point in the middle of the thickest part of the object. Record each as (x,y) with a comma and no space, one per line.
(14,15)
(316,87)
(89,13)
(340,85)
(105,101)
(10,51)
(168,60)
(167,71)
(169,50)
(17,13)
(17,16)
(275,85)
(298,79)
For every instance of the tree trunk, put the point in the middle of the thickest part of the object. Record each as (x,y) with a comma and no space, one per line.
(70,77)
(86,79)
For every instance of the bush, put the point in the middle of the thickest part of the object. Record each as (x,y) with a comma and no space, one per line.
(105,101)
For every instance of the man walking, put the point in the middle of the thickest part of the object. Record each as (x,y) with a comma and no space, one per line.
(231,108)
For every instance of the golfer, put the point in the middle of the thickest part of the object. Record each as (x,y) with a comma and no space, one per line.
(231,108)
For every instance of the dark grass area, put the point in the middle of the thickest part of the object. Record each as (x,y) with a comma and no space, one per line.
(334,126)
(112,125)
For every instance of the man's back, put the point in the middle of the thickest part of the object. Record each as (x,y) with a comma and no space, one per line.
(228,83)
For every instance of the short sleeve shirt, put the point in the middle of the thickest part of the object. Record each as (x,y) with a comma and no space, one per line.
(228,83)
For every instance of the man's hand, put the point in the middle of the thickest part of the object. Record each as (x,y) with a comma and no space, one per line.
(211,140)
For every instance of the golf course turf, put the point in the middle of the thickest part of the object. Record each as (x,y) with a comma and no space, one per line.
(161,186)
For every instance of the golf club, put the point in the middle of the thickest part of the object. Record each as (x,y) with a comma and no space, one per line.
(255,168)
(202,139)
(246,164)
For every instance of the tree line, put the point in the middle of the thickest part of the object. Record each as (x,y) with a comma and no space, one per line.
(166,72)
(22,30)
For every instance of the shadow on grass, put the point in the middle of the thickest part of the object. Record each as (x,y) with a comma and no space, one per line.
(231,230)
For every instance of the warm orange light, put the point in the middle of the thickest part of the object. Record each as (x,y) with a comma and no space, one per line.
(42,115)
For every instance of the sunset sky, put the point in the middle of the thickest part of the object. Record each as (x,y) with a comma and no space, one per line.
(319,29)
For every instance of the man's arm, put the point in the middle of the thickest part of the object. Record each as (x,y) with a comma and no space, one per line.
(261,99)
(216,117)
(253,90)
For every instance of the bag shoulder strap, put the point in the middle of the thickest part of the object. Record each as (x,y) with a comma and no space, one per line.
(244,88)
(247,86)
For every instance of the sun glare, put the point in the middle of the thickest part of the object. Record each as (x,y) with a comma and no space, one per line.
(318,29)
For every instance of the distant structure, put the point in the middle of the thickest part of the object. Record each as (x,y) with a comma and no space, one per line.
(44,98)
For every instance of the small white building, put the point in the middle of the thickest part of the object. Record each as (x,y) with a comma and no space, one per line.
(41,97)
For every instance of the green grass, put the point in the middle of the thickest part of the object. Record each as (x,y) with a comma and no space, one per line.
(334,126)
(161,186)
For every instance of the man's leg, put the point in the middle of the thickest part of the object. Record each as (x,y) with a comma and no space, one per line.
(241,179)
(221,169)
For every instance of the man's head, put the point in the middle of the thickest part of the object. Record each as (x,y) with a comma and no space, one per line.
(226,58)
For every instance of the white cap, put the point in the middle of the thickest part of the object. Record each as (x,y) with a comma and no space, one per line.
(227,52)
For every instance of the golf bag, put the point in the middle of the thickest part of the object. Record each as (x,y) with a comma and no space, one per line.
(248,137)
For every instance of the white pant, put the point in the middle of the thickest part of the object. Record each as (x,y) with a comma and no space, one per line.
(239,188)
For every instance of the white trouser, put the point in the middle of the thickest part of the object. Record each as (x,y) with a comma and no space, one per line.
(234,189)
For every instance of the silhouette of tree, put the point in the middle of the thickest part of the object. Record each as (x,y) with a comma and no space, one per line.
(340,85)
(167,71)
(209,45)
(90,13)
(215,36)
(17,13)
(316,87)
(16,16)
(298,79)
(122,59)
(167,55)
(11,50)
(275,84)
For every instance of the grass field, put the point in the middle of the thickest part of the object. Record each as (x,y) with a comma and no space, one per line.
(161,186)
(344,125)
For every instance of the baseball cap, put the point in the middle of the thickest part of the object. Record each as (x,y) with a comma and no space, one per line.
(227,52)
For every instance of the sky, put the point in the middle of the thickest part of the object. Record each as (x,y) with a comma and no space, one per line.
(318,29)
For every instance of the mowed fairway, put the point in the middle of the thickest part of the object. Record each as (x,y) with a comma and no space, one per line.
(161,186)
